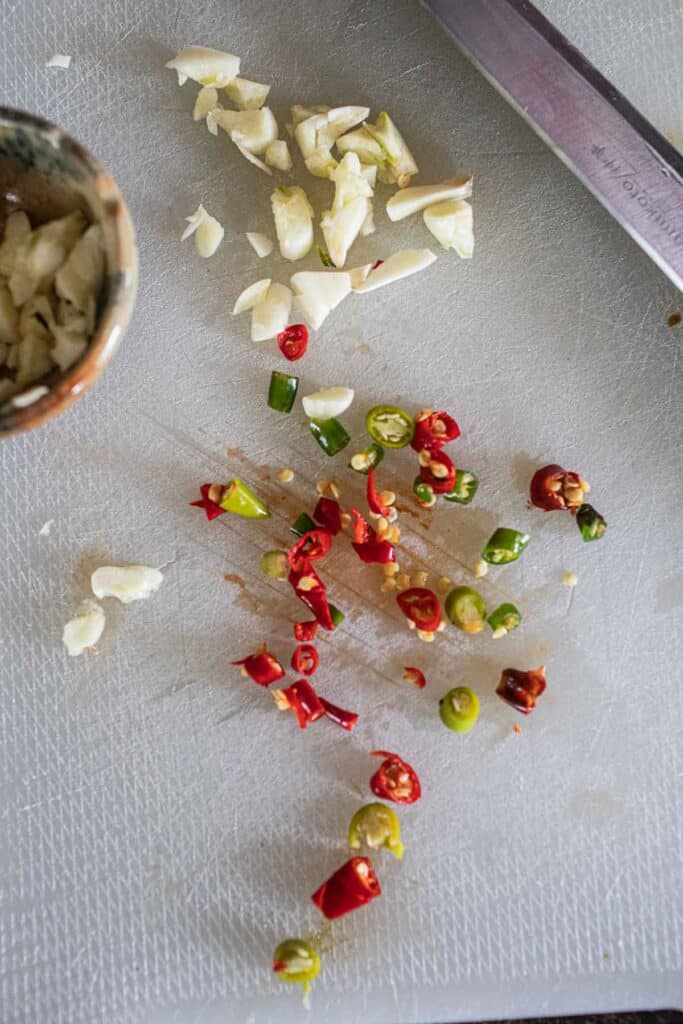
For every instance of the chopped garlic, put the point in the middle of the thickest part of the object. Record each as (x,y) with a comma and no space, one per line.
(45,529)
(68,348)
(399,166)
(350,208)
(293,216)
(29,397)
(323,405)
(570,579)
(247,299)
(319,292)
(261,244)
(253,130)
(411,200)
(321,163)
(9,318)
(278,156)
(247,95)
(80,277)
(363,145)
(207,100)
(359,274)
(125,582)
(451,223)
(270,316)
(301,113)
(204,65)
(253,159)
(84,629)
(60,60)
(209,232)
(397,266)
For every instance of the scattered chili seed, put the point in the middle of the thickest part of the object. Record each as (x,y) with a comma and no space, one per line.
(480,568)
(420,579)
(443,584)
(518,730)
(570,579)
(403,580)
(284,476)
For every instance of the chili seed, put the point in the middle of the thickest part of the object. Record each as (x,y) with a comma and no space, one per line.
(307,583)
(403,581)
(438,470)
(499,633)
(570,579)
(585,486)
(390,569)
(480,568)
(345,520)
(424,458)
(387,497)
(443,584)
(425,635)
(420,579)
(215,493)
(334,490)
(284,476)
(389,584)
(321,486)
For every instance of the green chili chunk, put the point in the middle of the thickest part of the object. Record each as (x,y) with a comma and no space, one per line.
(370,456)
(274,564)
(590,523)
(296,962)
(506,617)
(302,524)
(390,426)
(282,391)
(459,709)
(376,825)
(464,488)
(505,546)
(424,492)
(337,616)
(466,609)
(330,435)
(238,499)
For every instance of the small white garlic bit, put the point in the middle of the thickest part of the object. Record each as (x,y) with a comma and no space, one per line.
(84,629)
(209,231)
(125,582)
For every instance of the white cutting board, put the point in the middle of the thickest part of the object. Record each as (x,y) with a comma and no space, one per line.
(162,826)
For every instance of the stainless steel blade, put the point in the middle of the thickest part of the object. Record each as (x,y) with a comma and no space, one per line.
(632,169)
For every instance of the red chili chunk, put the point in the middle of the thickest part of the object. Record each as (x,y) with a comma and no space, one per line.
(328,513)
(439,474)
(305,631)
(353,885)
(310,547)
(433,430)
(414,675)
(554,489)
(346,719)
(302,699)
(374,502)
(293,341)
(520,689)
(305,659)
(367,545)
(262,667)
(421,607)
(310,589)
(211,509)
(395,779)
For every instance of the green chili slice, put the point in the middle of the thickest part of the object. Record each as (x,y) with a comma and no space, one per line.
(336,616)
(504,546)
(390,426)
(282,391)
(302,524)
(424,492)
(590,523)
(274,564)
(370,456)
(506,617)
(241,501)
(296,961)
(376,825)
(459,709)
(466,609)
(464,488)
(330,435)
(324,257)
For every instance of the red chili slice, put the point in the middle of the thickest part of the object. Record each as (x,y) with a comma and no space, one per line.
(395,779)
(439,484)
(328,513)
(210,507)
(415,676)
(305,659)
(314,598)
(362,531)
(520,689)
(305,631)
(374,502)
(263,667)
(304,702)
(353,885)
(347,719)
(421,606)
(293,341)
(310,547)
(550,486)
(434,430)
(366,544)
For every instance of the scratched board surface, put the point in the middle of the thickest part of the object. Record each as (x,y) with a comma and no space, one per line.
(163,826)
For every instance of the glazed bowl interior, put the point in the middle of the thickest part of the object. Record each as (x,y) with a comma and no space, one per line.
(47,174)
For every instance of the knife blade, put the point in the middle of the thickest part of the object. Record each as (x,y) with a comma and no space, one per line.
(625,162)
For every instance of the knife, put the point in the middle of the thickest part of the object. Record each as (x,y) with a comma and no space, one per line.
(625,162)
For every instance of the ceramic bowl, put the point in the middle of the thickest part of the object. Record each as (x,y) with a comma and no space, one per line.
(47,173)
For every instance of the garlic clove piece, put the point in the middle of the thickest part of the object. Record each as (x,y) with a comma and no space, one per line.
(397,266)
(204,65)
(127,583)
(252,295)
(84,629)
(411,200)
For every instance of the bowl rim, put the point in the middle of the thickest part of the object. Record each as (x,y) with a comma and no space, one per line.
(115,315)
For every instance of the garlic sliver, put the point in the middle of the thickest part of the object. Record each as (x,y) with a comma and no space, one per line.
(358,275)
(261,244)
(127,583)
(321,163)
(323,405)
(400,165)
(363,145)
(251,296)
(204,65)
(293,215)
(319,292)
(207,100)
(418,197)
(451,223)
(341,229)
(252,129)
(84,629)
(301,113)
(253,159)
(271,315)
(340,120)
(398,265)
(247,95)
(207,230)
(277,155)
